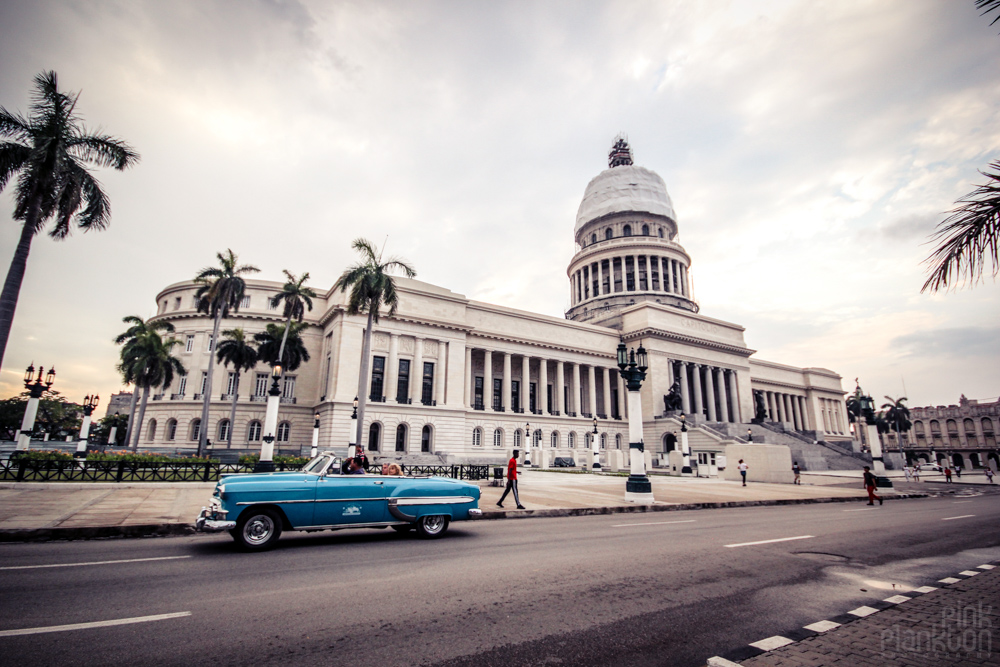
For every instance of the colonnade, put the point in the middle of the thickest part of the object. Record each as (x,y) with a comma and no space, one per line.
(416,378)
(578,390)
(789,408)
(833,417)
(629,273)
(709,391)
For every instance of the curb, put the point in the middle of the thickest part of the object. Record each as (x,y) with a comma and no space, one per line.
(173,529)
(752,650)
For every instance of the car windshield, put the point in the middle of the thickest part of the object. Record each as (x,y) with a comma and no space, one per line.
(318,464)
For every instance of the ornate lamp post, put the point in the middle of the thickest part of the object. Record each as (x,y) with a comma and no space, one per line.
(315,443)
(89,404)
(632,365)
(352,449)
(596,448)
(685,449)
(31,411)
(266,462)
(527,444)
(874,444)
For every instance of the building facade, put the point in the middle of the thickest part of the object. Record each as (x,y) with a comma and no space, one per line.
(960,435)
(469,381)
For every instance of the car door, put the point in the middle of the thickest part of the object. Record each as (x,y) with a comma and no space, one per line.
(349,499)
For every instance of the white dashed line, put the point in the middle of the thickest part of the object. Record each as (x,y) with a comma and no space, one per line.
(924,589)
(861,612)
(822,626)
(772,643)
(866,509)
(949,580)
(969,573)
(780,539)
(652,523)
(986,567)
(96,624)
(897,599)
(99,562)
(964,516)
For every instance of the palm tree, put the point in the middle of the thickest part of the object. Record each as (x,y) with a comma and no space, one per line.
(49,151)
(898,415)
(296,297)
(371,286)
(236,350)
(221,290)
(138,328)
(286,340)
(147,362)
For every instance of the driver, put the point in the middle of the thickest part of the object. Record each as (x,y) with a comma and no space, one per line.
(355,466)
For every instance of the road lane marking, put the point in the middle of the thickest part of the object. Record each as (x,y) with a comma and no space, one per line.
(986,567)
(959,502)
(897,599)
(969,573)
(866,509)
(653,523)
(771,643)
(964,516)
(98,562)
(780,539)
(861,612)
(822,626)
(924,589)
(949,580)
(95,624)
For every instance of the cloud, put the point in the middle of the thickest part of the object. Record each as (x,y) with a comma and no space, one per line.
(974,342)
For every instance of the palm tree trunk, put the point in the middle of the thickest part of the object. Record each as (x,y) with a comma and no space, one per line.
(15,276)
(207,398)
(366,353)
(131,414)
(142,414)
(232,410)
(284,339)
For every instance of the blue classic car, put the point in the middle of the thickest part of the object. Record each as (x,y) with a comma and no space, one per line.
(256,508)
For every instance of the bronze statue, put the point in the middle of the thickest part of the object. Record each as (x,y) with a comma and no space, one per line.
(672,402)
(760,410)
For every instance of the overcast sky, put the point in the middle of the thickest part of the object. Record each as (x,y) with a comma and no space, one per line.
(809,148)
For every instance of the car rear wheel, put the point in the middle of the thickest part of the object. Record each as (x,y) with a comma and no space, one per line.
(432,526)
(257,530)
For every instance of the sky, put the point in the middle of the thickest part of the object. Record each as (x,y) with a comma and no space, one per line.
(809,147)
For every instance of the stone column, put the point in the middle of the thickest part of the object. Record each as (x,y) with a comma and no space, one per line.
(622,399)
(574,391)
(600,277)
(685,288)
(525,383)
(592,391)
(507,404)
(487,381)
(607,392)
(710,391)
(723,403)
(698,406)
(441,372)
(470,379)
(806,421)
(768,400)
(392,369)
(685,394)
(417,371)
(543,385)
(668,271)
(559,391)
(797,412)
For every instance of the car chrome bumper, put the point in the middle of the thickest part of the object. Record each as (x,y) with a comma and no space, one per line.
(475,514)
(207,521)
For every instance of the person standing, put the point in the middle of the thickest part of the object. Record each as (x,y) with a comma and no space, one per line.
(906,472)
(916,473)
(870,487)
(989,474)
(511,481)
(742,467)
(947,474)
(795,469)
(958,472)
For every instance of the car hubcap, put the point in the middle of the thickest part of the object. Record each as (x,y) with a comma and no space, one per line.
(434,524)
(258,529)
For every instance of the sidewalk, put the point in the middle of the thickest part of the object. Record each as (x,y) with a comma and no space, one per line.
(32,511)
(950,622)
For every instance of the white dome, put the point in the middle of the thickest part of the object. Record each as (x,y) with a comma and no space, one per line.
(624,189)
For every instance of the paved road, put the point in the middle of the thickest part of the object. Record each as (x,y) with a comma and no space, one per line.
(605,590)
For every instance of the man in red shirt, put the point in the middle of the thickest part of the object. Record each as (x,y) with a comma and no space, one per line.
(511,481)
(870,488)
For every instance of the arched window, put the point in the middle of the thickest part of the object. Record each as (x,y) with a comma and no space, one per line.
(604,441)
(537,438)
(554,439)
(195,428)
(645,230)
(608,234)
(283,430)
(374,436)
(586,440)
(970,426)
(151,430)
(497,438)
(401,438)
(224,430)
(253,431)
(627,230)
(618,441)
(425,438)
(171,429)
(987,425)
(661,232)
(593,237)
(517,438)
(477,437)
(571,440)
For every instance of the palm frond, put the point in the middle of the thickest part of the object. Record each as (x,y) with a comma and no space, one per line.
(988,6)
(104,150)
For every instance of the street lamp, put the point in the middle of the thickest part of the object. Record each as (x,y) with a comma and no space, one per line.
(866,405)
(527,444)
(35,390)
(685,448)
(632,365)
(89,404)
(352,448)
(315,443)
(266,462)
(596,448)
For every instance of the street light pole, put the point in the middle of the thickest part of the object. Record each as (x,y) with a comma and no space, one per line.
(352,448)
(596,448)
(31,411)
(89,404)
(266,462)
(685,449)
(528,441)
(632,365)
(315,443)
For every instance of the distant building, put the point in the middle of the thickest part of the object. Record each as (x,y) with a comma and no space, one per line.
(963,434)
(119,404)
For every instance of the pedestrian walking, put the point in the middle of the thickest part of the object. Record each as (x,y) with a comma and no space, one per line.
(958,472)
(907,473)
(947,474)
(870,487)
(989,474)
(511,482)
(795,469)
(916,473)
(742,467)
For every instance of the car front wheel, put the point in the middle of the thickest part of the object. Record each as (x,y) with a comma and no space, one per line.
(433,526)
(257,530)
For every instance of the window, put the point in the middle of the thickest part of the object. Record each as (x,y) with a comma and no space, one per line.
(245,302)
(195,429)
(151,430)
(271,305)
(645,230)
(177,303)
(401,438)
(208,343)
(630,273)
(608,234)
(403,383)
(204,382)
(548,398)
(288,390)
(571,440)
(627,230)
(378,376)
(427,388)
(224,428)
(231,386)
(618,441)
(477,400)
(260,385)
(532,401)
(189,343)
(517,438)
(515,395)
(586,440)
(425,438)
(171,429)
(374,436)
(661,232)
(498,394)
(537,438)
(497,438)
(555,440)
(604,441)
(593,238)
(253,432)
(182,385)
(284,428)
(642,273)
(477,437)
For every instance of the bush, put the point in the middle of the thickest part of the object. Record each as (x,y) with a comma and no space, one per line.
(40,455)
(130,457)
(251,459)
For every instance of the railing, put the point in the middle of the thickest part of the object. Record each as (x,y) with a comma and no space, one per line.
(226,397)
(478,406)
(288,400)
(406,400)
(258,399)
(197,397)
(157,397)
(176,397)
(431,402)
(376,399)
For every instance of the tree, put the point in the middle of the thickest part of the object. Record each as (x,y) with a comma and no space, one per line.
(274,336)
(56,416)
(49,152)
(139,327)
(221,290)
(146,363)
(296,297)
(102,429)
(236,350)
(898,416)
(371,286)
